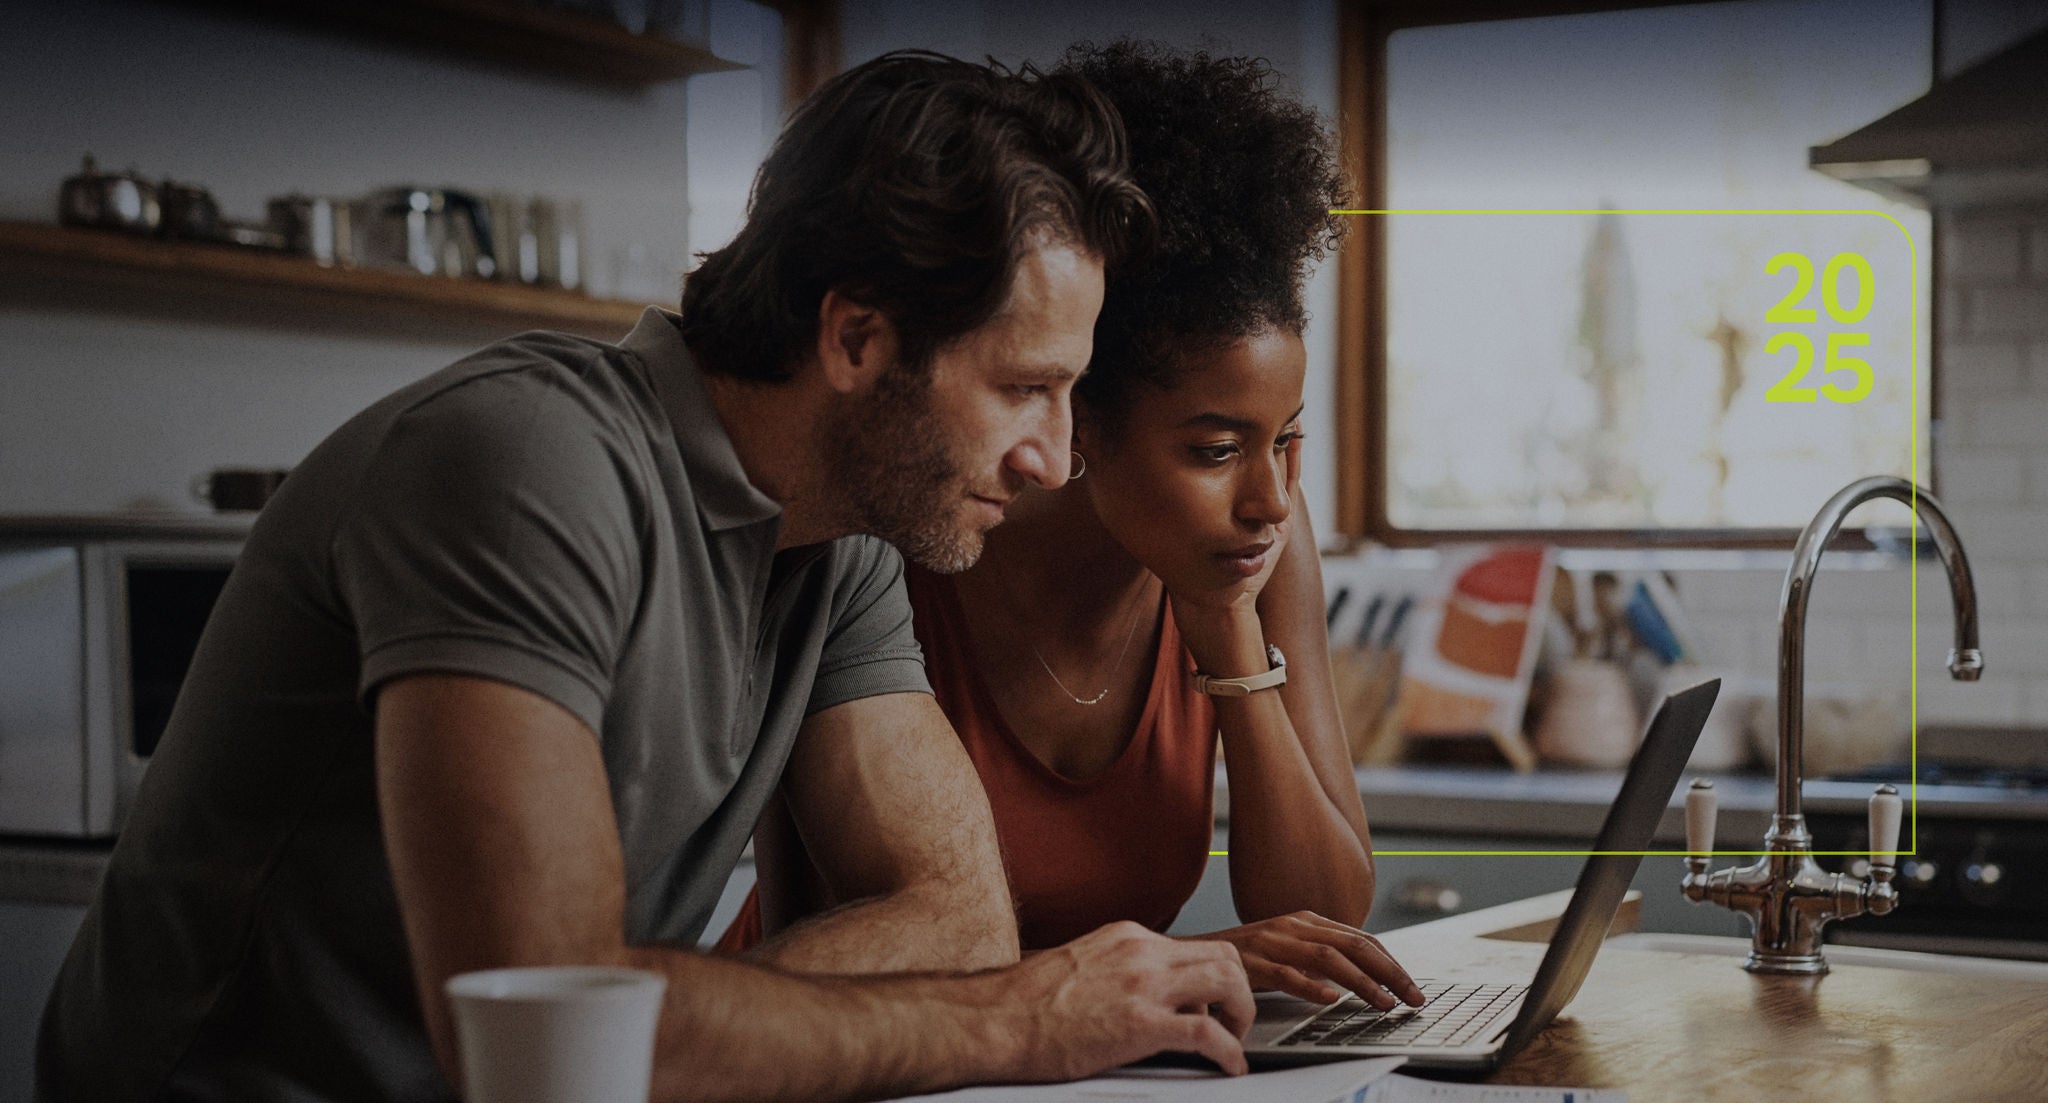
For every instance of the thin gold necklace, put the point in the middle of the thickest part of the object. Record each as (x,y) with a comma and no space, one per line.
(1129,634)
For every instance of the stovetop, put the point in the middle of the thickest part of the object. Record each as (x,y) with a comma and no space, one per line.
(1963,773)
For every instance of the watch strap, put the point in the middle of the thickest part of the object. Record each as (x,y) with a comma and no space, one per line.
(1250,683)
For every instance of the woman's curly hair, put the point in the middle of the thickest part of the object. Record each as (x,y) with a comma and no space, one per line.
(1242,179)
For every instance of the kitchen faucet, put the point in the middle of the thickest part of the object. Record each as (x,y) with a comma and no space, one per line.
(1785,893)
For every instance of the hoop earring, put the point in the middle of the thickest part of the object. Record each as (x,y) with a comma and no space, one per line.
(1073,473)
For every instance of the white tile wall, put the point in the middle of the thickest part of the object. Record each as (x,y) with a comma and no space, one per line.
(1984,368)
(1984,478)
(1994,253)
(2015,309)
(1991,469)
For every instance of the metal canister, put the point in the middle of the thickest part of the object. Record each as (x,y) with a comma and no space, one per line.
(120,201)
(316,226)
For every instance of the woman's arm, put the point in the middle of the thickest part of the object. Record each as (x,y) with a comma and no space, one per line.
(1294,860)
(1297,831)
(1301,871)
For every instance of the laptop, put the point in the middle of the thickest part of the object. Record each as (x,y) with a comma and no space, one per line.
(1475,1026)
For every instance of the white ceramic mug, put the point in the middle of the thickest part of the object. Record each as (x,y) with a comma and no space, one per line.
(551,1034)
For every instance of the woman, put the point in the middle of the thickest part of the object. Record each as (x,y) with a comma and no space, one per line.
(1068,657)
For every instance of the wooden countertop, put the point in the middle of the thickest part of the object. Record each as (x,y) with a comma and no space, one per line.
(1695,1028)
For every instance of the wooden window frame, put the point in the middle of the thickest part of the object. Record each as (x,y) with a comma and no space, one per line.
(810,47)
(1363,28)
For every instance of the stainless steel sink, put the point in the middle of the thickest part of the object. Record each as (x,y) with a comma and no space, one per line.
(1953,964)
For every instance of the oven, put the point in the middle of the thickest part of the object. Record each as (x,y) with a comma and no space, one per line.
(1977,882)
(96,633)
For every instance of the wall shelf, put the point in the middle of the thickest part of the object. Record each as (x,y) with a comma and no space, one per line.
(507,32)
(108,270)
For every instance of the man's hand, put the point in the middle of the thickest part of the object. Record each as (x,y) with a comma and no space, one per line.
(1300,954)
(1123,993)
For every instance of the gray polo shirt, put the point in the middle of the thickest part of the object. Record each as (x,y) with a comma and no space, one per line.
(555,513)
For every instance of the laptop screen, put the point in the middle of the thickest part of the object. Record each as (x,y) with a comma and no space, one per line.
(1630,824)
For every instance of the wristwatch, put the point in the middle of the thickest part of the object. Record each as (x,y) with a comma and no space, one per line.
(1249,684)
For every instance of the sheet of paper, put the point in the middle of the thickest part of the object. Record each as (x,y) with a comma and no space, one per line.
(1409,1089)
(1343,1082)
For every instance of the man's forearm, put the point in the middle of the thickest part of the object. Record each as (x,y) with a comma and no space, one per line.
(731,1031)
(894,821)
(925,928)
(735,1031)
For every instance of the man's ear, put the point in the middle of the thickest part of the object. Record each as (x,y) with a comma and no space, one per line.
(856,343)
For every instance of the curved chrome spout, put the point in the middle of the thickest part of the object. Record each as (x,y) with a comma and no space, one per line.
(1965,662)
(1785,894)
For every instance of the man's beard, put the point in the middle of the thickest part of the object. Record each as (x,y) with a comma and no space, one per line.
(890,453)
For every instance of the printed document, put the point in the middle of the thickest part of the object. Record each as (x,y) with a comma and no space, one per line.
(1342,1082)
(1409,1089)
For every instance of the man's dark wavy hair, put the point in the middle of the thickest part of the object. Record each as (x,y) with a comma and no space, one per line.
(1242,178)
(912,184)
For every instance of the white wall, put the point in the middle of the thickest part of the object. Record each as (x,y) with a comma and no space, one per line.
(106,410)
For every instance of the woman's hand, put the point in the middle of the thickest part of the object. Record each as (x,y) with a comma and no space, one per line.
(1203,597)
(1220,626)
(1308,956)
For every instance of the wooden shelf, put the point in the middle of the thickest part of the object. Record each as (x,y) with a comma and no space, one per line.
(572,44)
(106,269)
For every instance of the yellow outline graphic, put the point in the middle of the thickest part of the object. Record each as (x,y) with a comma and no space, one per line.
(1913,536)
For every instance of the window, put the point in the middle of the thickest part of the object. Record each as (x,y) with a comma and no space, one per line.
(1599,375)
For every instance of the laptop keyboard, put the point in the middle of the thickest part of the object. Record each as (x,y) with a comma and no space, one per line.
(1451,1015)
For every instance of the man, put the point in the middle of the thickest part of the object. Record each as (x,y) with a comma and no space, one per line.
(508,668)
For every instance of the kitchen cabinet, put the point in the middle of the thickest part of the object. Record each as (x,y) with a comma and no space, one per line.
(1210,908)
(1417,888)
(37,935)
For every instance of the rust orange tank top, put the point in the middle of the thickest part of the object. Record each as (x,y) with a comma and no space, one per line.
(1129,843)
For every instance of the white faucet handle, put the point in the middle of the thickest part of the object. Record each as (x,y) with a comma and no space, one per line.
(1700,808)
(1886,810)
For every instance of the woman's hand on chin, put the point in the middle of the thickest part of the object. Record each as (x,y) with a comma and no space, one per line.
(1218,615)
(1316,959)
